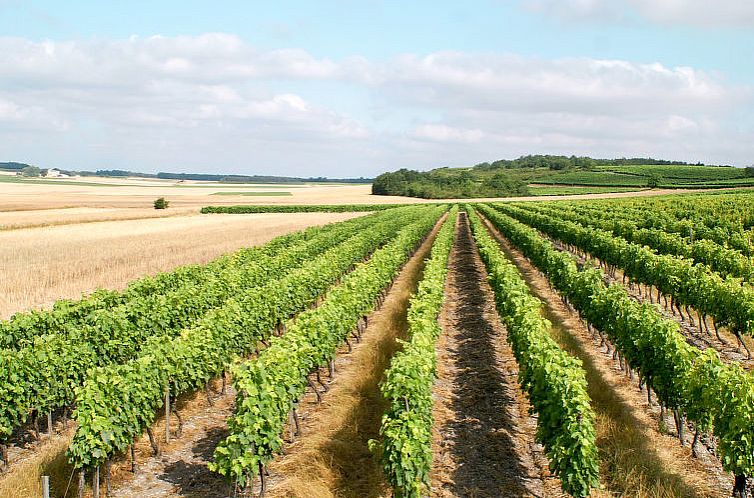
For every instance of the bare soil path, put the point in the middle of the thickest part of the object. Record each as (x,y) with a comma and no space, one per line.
(484,436)
(636,458)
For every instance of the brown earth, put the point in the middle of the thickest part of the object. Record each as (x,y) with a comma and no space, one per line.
(483,434)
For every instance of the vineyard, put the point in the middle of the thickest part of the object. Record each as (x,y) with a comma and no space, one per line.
(552,348)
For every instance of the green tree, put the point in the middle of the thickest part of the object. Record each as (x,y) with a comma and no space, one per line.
(161,203)
(31,171)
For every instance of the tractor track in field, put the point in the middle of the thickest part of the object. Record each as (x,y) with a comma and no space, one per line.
(483,443)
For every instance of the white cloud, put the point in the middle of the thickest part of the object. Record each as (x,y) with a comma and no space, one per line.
(149,90)
(578,10)
(495,106)
(212,102)
(699,13)
(720,13)
(489,82)
(444,133)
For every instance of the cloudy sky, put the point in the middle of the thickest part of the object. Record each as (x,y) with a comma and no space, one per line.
(353,88)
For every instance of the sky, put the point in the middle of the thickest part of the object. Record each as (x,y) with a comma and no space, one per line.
(344,88)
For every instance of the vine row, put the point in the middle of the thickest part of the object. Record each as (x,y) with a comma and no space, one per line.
(119,402)
(730,301)
(405,448)
(270,385)
(554,380)
(711,393)
(43,376)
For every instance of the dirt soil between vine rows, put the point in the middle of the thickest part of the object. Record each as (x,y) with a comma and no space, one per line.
(483,436)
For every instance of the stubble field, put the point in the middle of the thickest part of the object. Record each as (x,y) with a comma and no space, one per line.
(41,265)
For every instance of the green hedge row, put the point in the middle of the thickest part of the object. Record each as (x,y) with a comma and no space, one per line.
(318,208)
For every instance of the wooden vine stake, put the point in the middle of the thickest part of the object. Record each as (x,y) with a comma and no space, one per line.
(95,482)
(4,455)
(740,489)
(167,413)
(174,409)
(291,427)
(49,423)
(35,423)
(45,486)
(152,442)
(296,421)
(262,478)
(82,483)
(108,487)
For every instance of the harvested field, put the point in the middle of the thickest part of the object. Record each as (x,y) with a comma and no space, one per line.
(131,193)
(13,220)
(41,265)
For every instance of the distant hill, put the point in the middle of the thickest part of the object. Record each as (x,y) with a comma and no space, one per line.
(119,173)
(11,166)
(526,175)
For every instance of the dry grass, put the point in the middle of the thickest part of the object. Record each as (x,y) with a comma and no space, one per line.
(41,265)
(24,480)
(11,220)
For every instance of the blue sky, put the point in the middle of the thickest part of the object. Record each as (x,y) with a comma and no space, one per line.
(345,88)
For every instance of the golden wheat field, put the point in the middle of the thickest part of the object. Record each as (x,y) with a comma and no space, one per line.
(41,265)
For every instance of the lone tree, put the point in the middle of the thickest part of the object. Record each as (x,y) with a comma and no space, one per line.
(161,203)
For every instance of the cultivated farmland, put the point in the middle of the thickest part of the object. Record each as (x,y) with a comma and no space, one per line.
(591,347)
